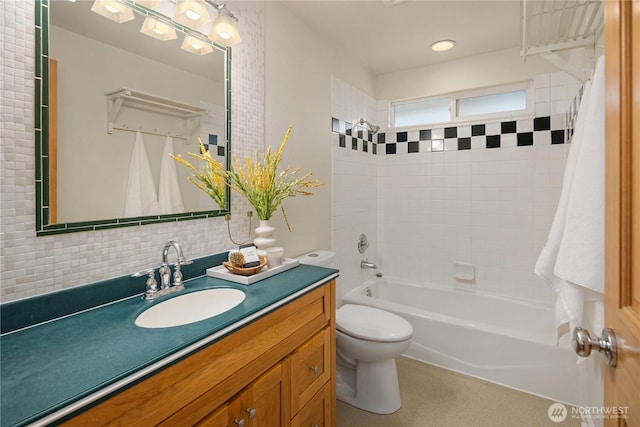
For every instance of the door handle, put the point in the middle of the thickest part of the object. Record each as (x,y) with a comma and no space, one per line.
(583,344)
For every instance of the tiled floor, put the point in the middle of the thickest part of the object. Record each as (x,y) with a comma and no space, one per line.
(436,397)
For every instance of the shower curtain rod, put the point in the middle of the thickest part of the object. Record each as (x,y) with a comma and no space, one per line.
(151,132)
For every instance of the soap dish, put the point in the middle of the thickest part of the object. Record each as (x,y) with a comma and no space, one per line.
(250,271)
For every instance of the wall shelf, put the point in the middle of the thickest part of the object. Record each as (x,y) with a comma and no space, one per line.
(549,26)
(131,98)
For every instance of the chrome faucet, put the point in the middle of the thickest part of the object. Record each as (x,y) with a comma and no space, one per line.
(153,291)
(165,270)
(367,264)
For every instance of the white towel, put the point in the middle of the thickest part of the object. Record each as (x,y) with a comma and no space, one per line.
(141,198)
(169,195)
(572,261)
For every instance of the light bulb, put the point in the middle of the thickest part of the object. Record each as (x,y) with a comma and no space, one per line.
(192,14)
(111,8)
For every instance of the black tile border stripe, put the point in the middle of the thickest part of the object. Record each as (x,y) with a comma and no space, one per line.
(355,138)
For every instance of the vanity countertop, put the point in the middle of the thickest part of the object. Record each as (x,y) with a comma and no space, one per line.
(62,365)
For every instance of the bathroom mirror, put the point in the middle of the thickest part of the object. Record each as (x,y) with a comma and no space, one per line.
(99,83)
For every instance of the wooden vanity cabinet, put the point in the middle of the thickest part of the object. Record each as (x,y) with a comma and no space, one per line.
(277,371)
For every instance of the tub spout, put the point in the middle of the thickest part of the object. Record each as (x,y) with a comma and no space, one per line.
(366,264)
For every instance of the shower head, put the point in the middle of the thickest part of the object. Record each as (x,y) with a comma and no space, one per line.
(373,128)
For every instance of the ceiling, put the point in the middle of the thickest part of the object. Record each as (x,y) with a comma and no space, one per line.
(388,35)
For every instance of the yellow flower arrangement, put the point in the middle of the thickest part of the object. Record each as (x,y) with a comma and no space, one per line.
(258,181)
(212,180)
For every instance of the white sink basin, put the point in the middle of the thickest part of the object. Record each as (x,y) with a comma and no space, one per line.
(189,308)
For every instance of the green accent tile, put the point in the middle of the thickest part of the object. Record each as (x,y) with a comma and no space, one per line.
(38,148)
(45,83)
(45,183)
(45,31)
(57,227)
(38,211)
(45,117)
(45,215)
(37,109)
(38,60)
(44,140)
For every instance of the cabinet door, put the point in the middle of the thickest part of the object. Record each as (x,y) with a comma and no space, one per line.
(317,412)
(310,369)
(259,405)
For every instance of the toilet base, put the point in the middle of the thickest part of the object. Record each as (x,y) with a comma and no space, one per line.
(371,386)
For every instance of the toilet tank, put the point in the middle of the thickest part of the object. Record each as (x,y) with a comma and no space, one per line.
(319,258)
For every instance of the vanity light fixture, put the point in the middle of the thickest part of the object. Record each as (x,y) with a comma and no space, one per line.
(113,10)
(224,29)
(149,4)
(191,13)
(442,45)
(158,30)
(196,46)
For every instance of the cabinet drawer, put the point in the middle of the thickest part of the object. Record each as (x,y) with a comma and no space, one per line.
(317,412)
(310,369)
(218,418)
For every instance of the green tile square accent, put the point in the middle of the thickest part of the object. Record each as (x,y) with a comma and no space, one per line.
(44,137)
(45,31)
(38,148)
(38,54)
(45,172)
(38,211)
(38,104)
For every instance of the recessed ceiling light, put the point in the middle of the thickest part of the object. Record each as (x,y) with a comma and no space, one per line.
(442,45)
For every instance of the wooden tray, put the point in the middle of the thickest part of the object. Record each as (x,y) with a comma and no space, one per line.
(246,271)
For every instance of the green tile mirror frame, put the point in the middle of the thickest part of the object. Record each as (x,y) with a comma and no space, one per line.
(83,145)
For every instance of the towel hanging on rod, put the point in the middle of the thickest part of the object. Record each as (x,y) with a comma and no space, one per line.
(169,194)
(141,197)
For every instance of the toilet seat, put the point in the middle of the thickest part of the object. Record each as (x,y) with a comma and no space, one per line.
(372,324)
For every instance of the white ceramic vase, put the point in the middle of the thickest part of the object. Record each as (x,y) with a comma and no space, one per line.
(265,237)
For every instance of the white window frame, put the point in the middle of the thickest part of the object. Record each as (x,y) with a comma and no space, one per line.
(454,96)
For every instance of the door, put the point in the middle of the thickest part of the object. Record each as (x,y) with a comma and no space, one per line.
(622,207)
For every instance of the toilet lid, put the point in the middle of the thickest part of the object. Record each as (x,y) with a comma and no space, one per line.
(372,324)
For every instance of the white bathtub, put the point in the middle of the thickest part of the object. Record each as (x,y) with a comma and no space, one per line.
(500,340)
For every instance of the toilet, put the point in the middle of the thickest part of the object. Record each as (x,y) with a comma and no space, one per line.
(367,341)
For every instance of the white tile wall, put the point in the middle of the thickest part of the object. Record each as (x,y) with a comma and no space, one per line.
(34,265)
(355,208)
(488,207)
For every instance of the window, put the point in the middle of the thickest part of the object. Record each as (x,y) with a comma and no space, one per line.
(496,102)
(420,112)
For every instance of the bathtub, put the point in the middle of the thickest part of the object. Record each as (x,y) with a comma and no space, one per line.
(500,340)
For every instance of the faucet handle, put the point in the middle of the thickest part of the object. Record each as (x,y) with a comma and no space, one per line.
(152,285)
(144,272)
(177,279)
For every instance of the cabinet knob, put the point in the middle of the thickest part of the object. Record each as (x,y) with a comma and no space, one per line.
(239,423)
(314,369)
(251,412)
(315,425)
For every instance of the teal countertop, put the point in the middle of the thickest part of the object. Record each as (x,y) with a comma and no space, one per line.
(52,369)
